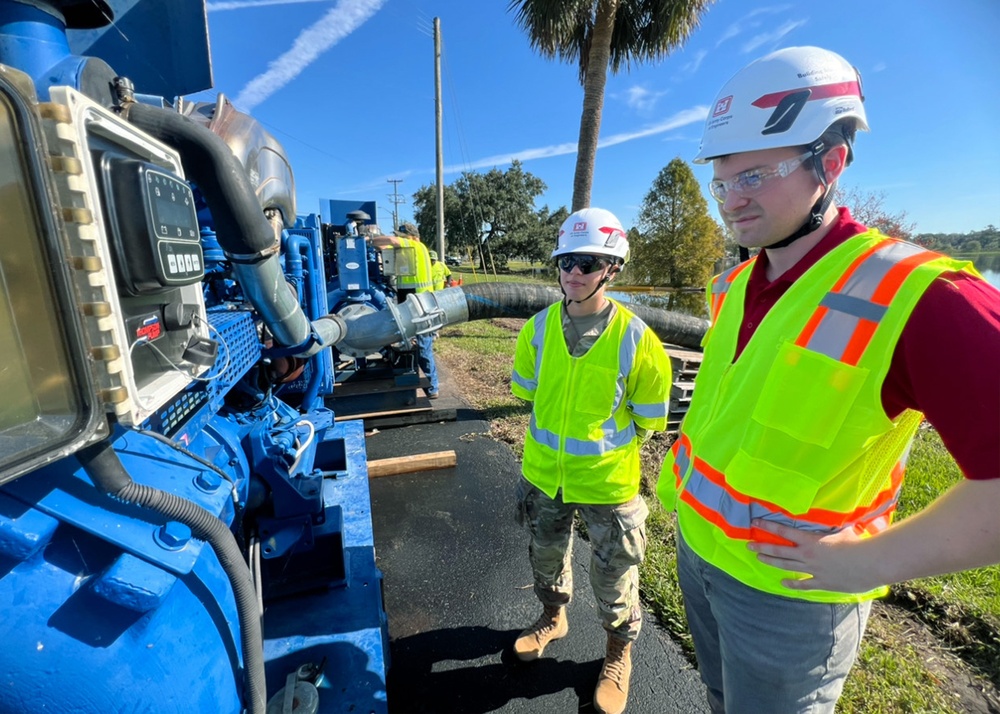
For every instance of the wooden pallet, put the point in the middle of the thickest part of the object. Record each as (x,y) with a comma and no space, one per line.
(684,364)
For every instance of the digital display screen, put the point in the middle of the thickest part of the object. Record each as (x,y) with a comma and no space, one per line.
(172,204)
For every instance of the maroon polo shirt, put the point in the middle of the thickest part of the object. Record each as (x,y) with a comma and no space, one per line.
(946,363)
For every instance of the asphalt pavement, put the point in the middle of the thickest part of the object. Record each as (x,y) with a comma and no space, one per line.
(457,588)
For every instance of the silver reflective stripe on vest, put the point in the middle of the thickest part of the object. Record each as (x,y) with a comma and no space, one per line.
(537,340)
(527,384)
(613,439)
(683,458)
(626,357)
(543,436)
(853,303)
(738,515)
(722,283)
(649,411)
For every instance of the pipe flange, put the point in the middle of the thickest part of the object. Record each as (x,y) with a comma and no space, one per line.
(352,312)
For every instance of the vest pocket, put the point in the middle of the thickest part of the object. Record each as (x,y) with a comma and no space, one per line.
(808,395)
(763,480)
(594,393)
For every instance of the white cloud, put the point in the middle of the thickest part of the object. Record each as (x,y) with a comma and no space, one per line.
(769,38)
(692,66)
(244,4)
(639,99)
(747,22)
(879,66)
(681,118)
(338,23)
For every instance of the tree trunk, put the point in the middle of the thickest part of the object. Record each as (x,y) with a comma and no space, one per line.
(593,102)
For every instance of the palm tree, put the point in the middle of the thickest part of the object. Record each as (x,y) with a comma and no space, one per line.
(598,35)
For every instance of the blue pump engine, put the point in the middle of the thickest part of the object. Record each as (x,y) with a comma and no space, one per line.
(361,277)
(183,525)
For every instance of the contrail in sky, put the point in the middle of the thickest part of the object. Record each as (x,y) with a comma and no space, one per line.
(337,24)
(682,118)
(243,4)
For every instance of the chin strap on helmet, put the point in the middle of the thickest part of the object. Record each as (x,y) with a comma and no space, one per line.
(819,208)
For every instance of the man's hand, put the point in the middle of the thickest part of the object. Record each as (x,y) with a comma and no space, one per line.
(833,561)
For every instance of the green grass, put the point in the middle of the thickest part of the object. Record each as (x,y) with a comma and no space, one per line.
(481,337)
(930,472)
(897,671)
(517,273)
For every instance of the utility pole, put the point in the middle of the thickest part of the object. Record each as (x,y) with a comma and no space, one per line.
(437,125)
(396,200)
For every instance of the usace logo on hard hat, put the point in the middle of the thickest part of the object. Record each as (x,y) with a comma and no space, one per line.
(722,106)
(581,226)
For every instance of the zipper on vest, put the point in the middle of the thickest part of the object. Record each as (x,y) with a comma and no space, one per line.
(564,422)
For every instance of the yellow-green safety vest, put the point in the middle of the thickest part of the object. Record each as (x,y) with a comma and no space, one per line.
(582,434)
(417,275)
(794,431)
(439,271)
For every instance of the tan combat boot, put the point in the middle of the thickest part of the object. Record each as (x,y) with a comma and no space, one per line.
(550,626)
(611,694)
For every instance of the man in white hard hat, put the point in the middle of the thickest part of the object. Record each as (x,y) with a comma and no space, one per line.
(824,355)
(599,381)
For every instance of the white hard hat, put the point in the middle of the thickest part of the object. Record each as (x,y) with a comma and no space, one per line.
(595,231)
(788,98)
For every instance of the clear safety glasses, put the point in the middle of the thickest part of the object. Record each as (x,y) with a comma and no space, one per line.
(755,181)
(586,263)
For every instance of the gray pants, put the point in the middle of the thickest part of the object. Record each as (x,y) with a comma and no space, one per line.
(759,652)
(618,543)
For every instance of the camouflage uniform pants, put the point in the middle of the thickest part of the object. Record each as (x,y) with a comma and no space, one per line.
(617,541)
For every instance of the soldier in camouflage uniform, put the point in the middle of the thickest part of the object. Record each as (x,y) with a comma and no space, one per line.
(599,382)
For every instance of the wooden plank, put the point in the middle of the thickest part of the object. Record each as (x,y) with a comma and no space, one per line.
(425,416)
(411,464)
(343,416)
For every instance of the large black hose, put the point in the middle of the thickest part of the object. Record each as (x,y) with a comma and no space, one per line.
(239,221)
(245,234)
(110,477)
(486,300)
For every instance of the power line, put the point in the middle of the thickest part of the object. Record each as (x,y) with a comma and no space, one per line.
(396,199)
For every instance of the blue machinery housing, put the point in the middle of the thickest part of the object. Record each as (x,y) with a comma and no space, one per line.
(183,525)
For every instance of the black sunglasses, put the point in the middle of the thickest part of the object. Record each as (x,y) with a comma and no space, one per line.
(586,263)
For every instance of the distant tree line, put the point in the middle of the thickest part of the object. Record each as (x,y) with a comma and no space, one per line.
(985,241)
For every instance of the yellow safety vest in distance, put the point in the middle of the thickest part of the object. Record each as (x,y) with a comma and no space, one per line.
(439,271)
(582,435)
(418,276)
(794,431)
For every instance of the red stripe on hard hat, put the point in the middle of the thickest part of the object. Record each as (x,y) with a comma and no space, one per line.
(822,91)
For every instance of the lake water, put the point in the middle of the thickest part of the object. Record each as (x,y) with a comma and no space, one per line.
(988,264)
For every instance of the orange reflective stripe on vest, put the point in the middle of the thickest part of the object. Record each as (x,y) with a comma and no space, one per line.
(735,511)
(846,319)
(720,286)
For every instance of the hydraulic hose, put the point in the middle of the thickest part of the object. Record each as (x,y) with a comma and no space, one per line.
(105,469)
(245,234)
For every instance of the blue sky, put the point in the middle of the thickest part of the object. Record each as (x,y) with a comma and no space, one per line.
(347,86)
